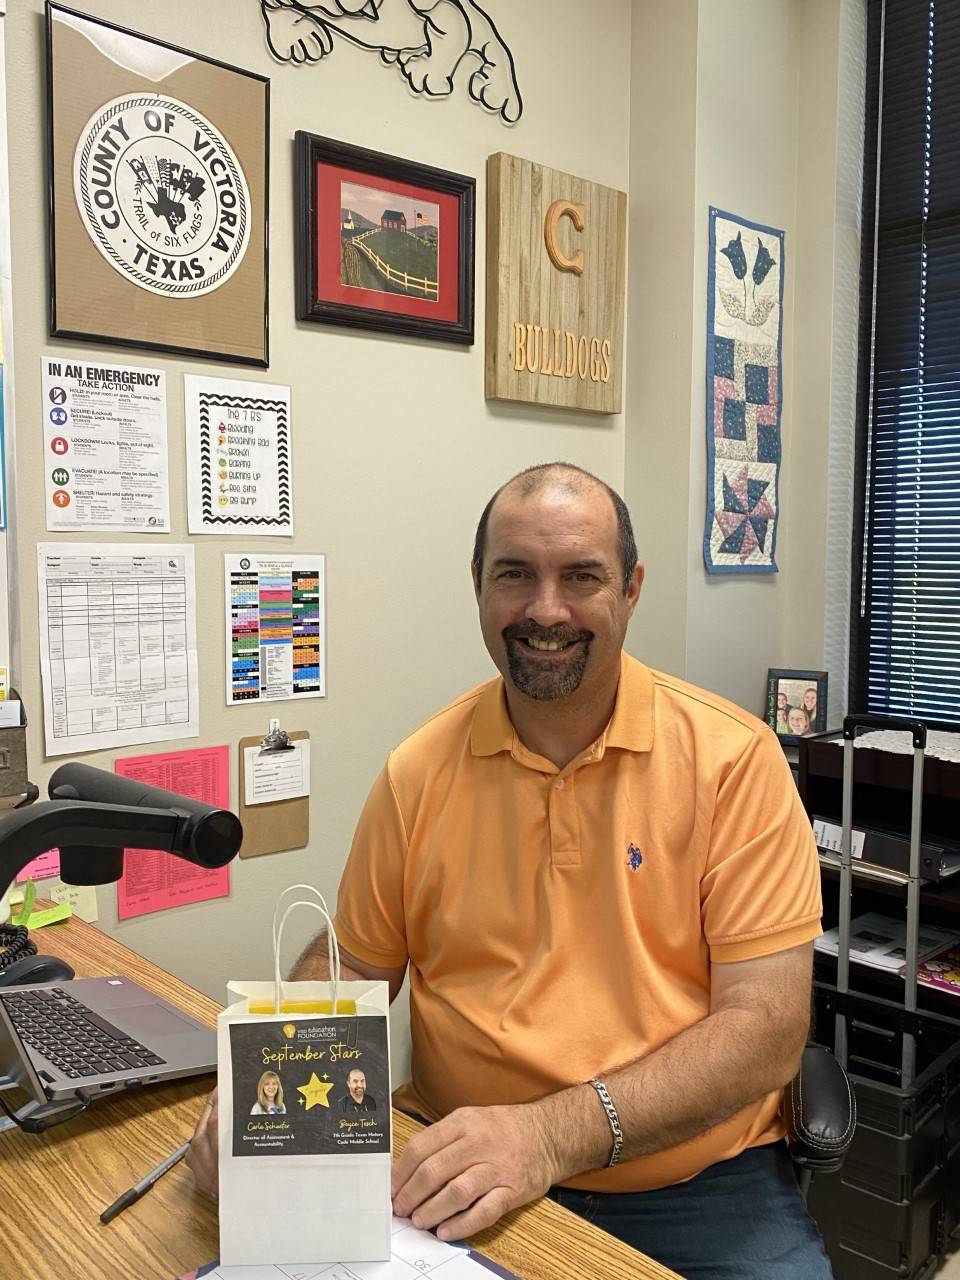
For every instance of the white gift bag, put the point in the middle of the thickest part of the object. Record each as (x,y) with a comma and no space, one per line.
(305,1120)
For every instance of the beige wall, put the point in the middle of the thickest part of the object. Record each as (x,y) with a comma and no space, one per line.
(686,102)
(395,448)
(754,134)
(664,225)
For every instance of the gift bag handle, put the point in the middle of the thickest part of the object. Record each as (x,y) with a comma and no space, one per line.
(291,888)
(333,947)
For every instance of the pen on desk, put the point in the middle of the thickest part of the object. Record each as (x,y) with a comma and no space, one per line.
(143,1186)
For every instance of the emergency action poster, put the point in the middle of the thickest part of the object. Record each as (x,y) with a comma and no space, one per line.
(105,446)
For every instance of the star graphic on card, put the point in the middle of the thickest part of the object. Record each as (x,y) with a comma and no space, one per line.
(314,1093)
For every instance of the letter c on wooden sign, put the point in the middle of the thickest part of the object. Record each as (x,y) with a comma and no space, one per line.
(563,209)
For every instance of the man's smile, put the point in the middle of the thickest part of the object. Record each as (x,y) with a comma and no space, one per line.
(535,645)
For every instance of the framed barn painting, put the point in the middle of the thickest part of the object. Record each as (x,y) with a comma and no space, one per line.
(383,243)
(158,176)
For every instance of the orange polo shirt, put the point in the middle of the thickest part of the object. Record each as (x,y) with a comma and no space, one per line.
(560,923)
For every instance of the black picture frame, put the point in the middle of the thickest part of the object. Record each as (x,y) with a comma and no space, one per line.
(89,333)
(312,150)
(776,716)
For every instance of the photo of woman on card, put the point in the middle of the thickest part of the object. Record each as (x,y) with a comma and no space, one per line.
(269,1096)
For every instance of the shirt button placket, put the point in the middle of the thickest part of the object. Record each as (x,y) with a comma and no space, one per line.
(564,822)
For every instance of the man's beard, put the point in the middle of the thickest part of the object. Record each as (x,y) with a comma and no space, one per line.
(544,679)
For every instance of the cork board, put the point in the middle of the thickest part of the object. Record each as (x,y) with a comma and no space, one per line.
(158,172)
(556,263)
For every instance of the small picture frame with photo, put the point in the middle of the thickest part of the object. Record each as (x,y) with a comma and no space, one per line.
(796,703)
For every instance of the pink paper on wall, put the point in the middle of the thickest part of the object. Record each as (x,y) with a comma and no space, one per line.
(47,864)
(153,881)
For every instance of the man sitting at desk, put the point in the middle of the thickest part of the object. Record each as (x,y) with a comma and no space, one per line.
(607,892)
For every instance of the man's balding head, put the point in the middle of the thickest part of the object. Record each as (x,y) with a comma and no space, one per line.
(562,478)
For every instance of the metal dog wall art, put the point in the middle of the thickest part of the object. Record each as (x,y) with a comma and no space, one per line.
(428,40)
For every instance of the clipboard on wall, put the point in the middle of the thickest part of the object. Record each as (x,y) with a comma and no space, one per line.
(278,825)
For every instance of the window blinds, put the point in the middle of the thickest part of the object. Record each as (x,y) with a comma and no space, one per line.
(906,615)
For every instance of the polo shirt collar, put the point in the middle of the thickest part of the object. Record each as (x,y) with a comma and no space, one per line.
(492,729)
(630,727)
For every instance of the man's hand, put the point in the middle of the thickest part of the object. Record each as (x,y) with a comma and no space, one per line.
(466,1171)
(203,1157)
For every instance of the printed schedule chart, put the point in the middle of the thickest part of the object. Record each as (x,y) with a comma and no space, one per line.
(274,617)
(118,645)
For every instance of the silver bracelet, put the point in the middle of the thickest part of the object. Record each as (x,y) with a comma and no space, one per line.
(613,1119)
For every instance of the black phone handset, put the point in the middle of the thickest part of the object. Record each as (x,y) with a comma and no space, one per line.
(21,965)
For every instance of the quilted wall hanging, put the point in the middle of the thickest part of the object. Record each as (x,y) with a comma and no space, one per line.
(744,394)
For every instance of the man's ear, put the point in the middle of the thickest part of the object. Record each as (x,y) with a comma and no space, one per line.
(476,582)
(633,591)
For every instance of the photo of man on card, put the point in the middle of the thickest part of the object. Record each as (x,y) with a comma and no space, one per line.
(356,1098)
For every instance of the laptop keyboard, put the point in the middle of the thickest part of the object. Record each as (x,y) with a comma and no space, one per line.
(75,1039)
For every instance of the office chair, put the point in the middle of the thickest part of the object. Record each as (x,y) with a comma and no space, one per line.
(820,1112)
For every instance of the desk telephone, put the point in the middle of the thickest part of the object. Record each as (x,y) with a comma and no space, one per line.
(20,964)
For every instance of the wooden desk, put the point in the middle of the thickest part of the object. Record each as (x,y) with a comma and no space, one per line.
(53,1186)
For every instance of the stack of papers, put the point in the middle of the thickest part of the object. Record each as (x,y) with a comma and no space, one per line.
(880,942)
(413,1254)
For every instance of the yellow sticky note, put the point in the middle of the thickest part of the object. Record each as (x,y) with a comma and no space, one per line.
(82,898)
(52,915)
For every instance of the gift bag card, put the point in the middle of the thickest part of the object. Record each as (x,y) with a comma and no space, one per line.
(310,1086)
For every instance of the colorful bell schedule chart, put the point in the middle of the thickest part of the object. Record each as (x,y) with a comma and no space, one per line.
(275,627)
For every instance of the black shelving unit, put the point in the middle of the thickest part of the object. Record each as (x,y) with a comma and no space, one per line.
(894,1207)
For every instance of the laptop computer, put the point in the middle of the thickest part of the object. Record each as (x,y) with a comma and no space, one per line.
(100,1035)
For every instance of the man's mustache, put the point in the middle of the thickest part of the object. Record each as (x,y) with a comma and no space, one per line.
(530,630)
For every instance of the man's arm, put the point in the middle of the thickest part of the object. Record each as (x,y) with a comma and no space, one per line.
(470,1168)
(313,966)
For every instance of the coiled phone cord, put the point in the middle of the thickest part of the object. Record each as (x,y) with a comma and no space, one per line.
(15,944)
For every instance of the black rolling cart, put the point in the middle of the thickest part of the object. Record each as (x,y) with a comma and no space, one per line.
(894,1207)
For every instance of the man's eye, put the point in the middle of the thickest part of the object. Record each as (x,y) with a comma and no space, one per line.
(585,577)
(510,573)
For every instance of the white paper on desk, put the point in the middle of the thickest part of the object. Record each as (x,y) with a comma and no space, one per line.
(412,1253)
(276,775)
(118,644)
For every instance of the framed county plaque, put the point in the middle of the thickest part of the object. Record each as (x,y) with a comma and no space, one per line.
(556,263)
(158,174)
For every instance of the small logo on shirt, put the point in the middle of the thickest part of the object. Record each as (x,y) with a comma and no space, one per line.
(634,858)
